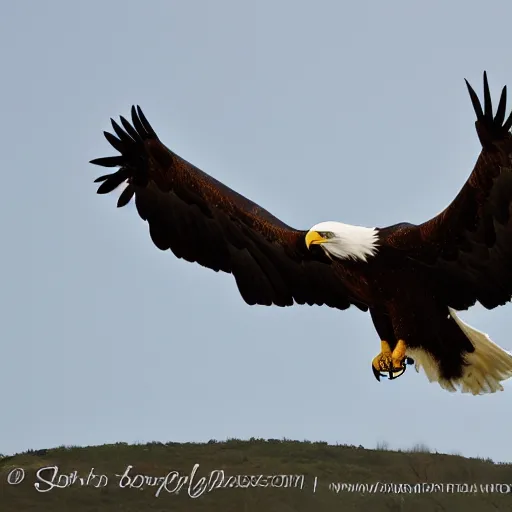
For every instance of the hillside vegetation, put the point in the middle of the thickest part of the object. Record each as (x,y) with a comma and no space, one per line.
(249,476)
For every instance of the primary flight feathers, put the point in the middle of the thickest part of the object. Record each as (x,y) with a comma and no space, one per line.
(410,277)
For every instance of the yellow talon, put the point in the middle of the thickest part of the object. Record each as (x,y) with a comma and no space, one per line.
(384,360)
(391,362)
(398,354)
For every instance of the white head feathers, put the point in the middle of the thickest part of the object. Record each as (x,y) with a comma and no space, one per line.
(344,241)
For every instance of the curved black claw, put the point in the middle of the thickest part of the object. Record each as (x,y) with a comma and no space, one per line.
(377,374)
(395,374)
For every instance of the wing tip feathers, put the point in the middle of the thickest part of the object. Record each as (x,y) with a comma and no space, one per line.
(492,127)
(129,143)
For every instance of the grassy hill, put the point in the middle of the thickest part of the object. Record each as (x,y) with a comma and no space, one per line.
(249,476)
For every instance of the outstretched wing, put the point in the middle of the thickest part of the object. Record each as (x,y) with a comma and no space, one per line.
(201,220)
(468,246)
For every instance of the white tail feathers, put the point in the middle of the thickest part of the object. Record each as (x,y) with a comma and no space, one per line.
(486,368)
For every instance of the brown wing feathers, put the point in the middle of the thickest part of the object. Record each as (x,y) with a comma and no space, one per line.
(469,244)
(201,220)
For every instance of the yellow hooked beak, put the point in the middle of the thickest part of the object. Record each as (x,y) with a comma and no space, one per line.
(314,238)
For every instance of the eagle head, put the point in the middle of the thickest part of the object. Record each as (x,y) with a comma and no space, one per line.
(343,241)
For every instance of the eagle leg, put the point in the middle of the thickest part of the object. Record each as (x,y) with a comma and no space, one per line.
(391,362)
(398,355)
(384,361)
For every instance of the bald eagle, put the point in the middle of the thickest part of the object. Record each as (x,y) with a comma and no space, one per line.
(411,278)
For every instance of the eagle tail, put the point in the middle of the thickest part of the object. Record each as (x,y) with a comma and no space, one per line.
(483,370)
(487,366)
(131,143)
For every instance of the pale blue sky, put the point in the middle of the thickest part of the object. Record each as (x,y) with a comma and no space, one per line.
(350,111)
